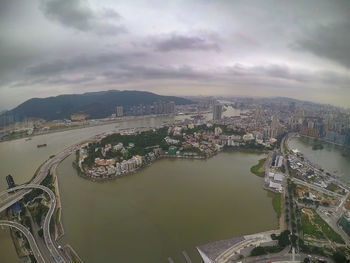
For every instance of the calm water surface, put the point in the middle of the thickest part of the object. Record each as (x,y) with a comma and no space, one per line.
(21,158)
(171,206)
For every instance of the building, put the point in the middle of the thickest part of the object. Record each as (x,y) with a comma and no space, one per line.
(10,181)
(78,117)
(162,107)
(217,112)
(120,111)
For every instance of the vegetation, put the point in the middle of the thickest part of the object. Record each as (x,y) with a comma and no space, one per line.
(32,259)
(319,228)
(256,169)
(58,215)
(276,202)
(39,212)
(327,230)
(48,182)
(32,194)
(335,188)
(283,241)
(94,104)
(41,233)
(143,141)
(309,228)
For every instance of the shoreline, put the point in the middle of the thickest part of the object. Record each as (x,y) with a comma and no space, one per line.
(59,228)
(82,174)
(323,140)
(126,118)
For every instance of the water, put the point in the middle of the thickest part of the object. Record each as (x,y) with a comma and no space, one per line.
(171,206)
(331,158)
(22,158)
(7,249)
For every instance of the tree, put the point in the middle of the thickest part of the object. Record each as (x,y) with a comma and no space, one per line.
(258,251)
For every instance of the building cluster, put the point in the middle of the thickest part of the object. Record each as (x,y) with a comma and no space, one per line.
(274,178)
(111,167)
(159,107)
(183,141)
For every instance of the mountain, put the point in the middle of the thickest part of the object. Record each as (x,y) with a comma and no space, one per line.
(94,104)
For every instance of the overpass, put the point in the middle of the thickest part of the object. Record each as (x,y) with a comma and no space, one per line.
(28,235)
(46,227)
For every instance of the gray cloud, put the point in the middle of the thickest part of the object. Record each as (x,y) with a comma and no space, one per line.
(177,42)
(328,41)
(81,63)
(110,13)
(226,46)
(78,15)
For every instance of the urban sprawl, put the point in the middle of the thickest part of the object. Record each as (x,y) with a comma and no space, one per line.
(312,203)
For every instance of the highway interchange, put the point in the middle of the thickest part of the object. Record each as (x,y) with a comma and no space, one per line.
(21,191)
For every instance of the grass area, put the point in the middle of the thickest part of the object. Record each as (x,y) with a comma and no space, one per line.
(58,216)
(309,228)
(74,258)
(257,169)
(335,188)
(285,148)
(327,230)
(15,135)
(276,202)
(319,228)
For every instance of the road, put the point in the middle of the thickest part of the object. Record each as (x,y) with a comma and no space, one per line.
(29,236)
(40,176)
(46,226)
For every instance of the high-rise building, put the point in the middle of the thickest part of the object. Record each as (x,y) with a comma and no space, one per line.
(347,137)
(274,127)
(217,112)
(162,107)
(120,111)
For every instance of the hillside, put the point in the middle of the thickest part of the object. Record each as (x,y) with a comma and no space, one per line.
(95,104)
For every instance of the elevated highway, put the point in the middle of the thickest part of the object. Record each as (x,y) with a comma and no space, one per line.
(28,235)
(46,226)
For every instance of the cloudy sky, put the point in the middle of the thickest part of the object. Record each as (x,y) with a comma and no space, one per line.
(298,49)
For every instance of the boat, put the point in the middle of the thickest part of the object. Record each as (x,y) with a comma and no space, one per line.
(41,145)
(28,139)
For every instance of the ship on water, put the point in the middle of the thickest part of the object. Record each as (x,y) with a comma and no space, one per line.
(41,145)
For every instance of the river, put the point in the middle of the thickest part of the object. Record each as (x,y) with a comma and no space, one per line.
(170,206)
(21,158)
(332,158)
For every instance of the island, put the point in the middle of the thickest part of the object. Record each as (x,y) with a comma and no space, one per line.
(118,154)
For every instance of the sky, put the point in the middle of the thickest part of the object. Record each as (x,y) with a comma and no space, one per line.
(297,49)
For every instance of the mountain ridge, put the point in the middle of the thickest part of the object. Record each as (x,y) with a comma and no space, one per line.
(98,104)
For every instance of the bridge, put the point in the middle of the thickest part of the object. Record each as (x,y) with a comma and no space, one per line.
(46,227)
(28,235)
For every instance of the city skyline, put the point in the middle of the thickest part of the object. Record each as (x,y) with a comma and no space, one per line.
(298,50)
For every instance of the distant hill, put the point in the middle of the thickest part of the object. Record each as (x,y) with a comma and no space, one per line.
(95,104)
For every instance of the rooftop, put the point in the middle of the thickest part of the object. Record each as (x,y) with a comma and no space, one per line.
(214,249)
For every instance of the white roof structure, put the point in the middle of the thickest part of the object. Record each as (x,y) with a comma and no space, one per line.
(278,177)
(276,186)
(271,174)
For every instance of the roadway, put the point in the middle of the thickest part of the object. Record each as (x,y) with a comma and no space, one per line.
(46,226)
(35,250)
(40,176)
